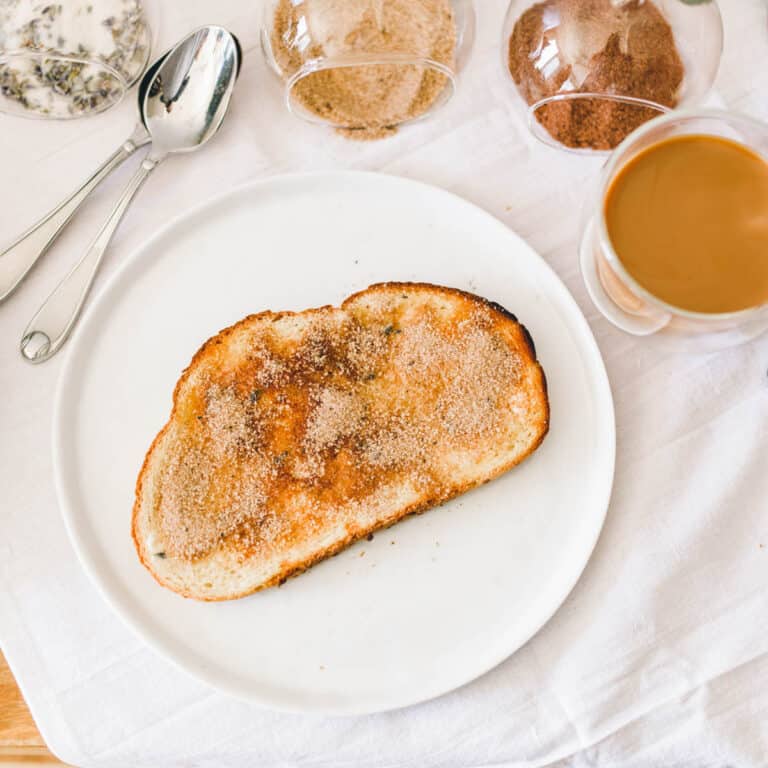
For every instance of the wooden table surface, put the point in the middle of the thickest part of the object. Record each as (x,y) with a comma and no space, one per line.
(20,741)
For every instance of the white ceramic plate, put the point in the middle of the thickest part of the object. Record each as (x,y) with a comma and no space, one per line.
(429,604)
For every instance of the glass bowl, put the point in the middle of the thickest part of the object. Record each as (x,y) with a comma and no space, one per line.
(588,72)
(70,59)
(369,66)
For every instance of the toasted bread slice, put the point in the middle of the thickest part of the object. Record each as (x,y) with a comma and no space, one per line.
(293,435)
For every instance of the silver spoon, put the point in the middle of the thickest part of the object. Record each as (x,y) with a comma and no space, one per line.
(18,259)
(183,108)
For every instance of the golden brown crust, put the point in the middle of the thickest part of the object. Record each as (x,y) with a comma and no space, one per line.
(525,347)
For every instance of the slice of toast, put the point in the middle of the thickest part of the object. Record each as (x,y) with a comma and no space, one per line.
(293,435)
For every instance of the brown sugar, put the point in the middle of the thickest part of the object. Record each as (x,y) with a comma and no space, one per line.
(602,47)
(366,101)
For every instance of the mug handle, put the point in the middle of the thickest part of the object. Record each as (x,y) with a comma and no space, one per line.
(637,325)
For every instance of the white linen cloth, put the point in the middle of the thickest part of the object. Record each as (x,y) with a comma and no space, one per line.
(659,656)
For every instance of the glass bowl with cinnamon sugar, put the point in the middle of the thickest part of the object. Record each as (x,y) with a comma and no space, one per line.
(589,72)
(369,66)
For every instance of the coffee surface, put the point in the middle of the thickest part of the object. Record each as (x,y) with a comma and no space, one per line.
(688,219)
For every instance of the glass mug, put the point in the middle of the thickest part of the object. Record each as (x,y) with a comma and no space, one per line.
(70,59)
(618,296)
(396,75)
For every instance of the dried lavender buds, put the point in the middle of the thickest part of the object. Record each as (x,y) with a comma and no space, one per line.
(71,58)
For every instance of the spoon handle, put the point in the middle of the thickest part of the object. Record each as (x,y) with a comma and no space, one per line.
(53,322)
(19,258)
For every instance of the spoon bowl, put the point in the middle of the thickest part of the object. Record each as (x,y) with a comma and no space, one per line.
(186,102)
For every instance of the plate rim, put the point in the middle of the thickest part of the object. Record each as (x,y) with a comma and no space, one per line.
(189,664)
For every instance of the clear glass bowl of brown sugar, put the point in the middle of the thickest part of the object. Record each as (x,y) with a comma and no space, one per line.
(589,72)
(367,67)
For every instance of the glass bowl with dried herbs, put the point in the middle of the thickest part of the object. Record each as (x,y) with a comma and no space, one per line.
(71,58)
(589,72)
(369,66)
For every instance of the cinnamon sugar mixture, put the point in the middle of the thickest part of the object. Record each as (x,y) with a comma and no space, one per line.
(328,420)
(620,48)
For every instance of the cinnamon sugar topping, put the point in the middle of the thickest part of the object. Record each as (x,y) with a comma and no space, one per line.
(287,438)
